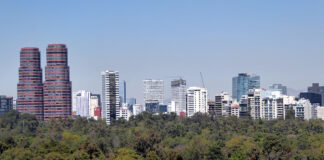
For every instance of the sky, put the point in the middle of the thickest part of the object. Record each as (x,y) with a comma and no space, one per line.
(282,41)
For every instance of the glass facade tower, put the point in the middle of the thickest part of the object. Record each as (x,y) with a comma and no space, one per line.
(242,83)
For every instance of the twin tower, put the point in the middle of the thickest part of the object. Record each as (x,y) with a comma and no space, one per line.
(49,99)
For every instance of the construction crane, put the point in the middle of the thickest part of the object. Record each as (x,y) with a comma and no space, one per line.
(202,80)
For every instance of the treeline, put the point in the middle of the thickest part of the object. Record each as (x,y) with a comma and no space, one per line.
(154,137)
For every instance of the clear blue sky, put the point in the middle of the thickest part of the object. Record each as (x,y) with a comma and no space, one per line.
(282,41)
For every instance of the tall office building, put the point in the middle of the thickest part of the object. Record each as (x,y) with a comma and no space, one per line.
(178,95)
(82,103)
(122,92)
(279,87)
(6,104)
(197,101)
(316,88)
(153,90)
(314,98)
(131,101)
(57,85)
(242,83)
(110,95)
(30,85)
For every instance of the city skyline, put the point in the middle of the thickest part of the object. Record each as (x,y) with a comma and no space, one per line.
(215,35)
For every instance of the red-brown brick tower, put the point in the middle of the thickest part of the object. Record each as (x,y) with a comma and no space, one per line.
(57,85)
(30,85)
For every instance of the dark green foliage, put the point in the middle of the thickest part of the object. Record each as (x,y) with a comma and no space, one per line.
(157,137)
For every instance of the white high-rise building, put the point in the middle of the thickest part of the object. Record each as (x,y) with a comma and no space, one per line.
(110,95)
(172,107)
(137,109)
(303,109)
(81,103)
(178,95)
(254,103)
(153,90)
(197,99)
(272,105)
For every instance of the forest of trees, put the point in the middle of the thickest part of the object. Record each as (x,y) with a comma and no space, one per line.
(154,137)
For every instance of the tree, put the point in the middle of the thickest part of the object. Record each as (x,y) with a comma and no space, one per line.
(129,154)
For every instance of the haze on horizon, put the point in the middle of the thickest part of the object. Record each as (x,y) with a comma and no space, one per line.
(282,41)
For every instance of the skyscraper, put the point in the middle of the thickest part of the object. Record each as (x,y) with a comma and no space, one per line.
(110,95)
(316,88)
(197,101)
(30,85)
(178,95)
(279,87)
(122,92)
(82,103)
(6,104)
(153,90)
(242,83)
(57,85)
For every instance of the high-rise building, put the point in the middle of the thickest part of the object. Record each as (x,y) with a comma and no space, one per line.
(82,103)
(197,101)
(131,101)
(314,98)
(223,103)
(242,83)
(254,103)
(153,90)
(57,85)
(110,95)
(303,109)
(244,111)
(122,92)
(6,104)
(178,95)
(30,85)
(316,88)
(94,103)
(279,87)
(137,109)
(152,106)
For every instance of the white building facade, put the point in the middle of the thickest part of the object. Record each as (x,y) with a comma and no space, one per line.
(153,90)
(254,103)
(137,109)
(303,109)
(197,99)
(178,95)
